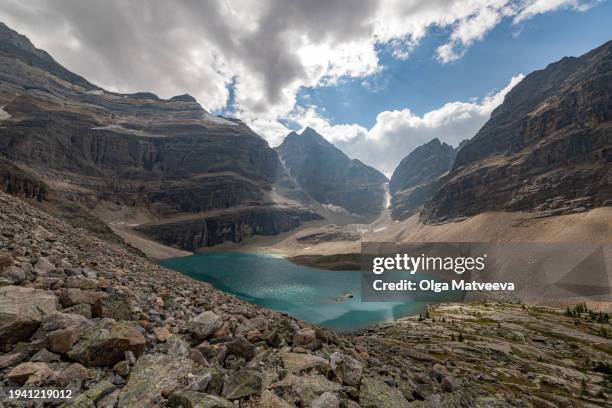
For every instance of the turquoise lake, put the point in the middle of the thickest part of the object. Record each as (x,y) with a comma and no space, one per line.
(306,293)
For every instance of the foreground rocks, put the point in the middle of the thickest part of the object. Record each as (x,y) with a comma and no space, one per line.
(123,332)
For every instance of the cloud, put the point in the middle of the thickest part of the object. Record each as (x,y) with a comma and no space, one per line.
(396,133)
(267,51)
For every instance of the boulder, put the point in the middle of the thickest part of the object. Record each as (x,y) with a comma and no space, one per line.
(61,341)
(14,274)
(241,347)
(8,360)
(43,266)
(162,334)
(6,260)
(114,306)
(73,296)
(346,368)
(270,400)
(59,320)
(297,362)
(193,399)
(375,393)
(152,374)
(305,338)
(302,390)
(31,373)
(74,372)
(106,342)
(82,309)
(241,384)
(21,311)
(326,400)
(205,324)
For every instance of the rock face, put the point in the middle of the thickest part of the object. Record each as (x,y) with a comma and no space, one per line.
(329,176)
(232,225)
(133,151)
(21,312)
(416,178)
(546,149)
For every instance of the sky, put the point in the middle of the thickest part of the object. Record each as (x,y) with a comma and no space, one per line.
(375,77)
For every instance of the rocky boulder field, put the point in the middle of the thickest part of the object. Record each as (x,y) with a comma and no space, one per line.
(97,318)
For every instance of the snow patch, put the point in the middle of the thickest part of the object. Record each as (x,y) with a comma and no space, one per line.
(4,115)
(95,92)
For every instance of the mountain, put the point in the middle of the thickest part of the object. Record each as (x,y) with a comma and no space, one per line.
(331,177)
(416,177)
(546,149)
(136,156)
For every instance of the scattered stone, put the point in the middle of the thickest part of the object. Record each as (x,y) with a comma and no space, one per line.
(100,390)
(162,334)
(192,399)
(326,400)
(241,384)
(375,393)
(45,356)
(152,374)
(105,343)
(205,324)
(73,296)
(297,362)
(72,373)
(61,341)
(241,347)
(113,306)
(21,311)
(30,373)
(449,384)
(82,309)
(346,368)
(43,266)
(9,360)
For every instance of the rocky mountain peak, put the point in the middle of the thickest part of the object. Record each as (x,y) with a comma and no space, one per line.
(183,98)
(18,47)
(417,176)
(330,176)
(424,163)
(546,149)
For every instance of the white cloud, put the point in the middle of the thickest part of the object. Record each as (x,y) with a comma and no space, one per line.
(396,133)
(267,50)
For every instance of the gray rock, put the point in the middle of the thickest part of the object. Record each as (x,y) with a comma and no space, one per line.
(241,384)
(21,310)
(346,368)
(43,266)
(205,324)
(326,400)
(192,399)
(105,343)
(241,347)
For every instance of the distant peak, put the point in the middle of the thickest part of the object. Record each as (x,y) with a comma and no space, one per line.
(183,98)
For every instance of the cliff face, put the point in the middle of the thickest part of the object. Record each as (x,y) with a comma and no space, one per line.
(166,157)
(329,176)
(229,225)
(416,178)
(546,149)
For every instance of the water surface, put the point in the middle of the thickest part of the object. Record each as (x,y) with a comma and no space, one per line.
(306,293)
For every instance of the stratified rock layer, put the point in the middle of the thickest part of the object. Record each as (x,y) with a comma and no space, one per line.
(546,149)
